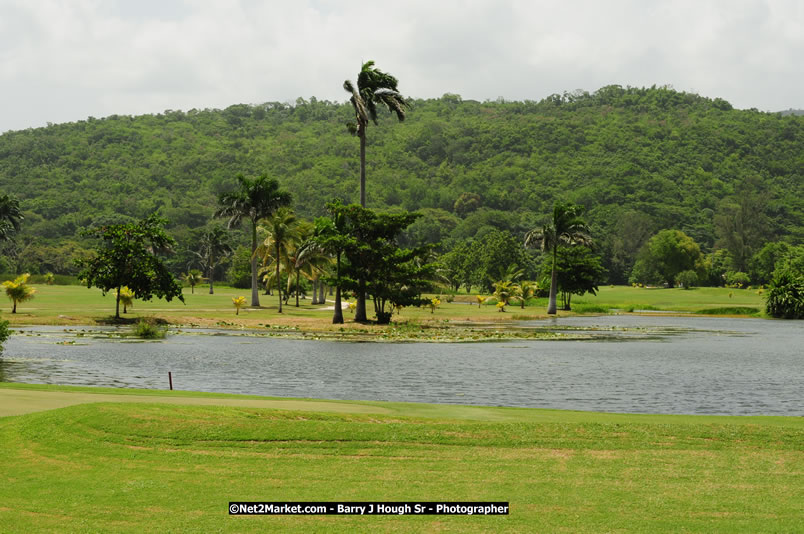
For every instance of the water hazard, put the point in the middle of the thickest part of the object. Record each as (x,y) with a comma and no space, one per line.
(634,364)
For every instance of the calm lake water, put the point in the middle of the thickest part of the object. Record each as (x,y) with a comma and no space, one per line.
(636,364)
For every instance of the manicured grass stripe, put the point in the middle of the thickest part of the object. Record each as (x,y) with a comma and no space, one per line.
(161,468)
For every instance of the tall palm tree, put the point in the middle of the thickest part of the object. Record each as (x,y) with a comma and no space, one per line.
(282,229)
(10,216)
(213,247)
(255,199)
(565,228)
(374,88)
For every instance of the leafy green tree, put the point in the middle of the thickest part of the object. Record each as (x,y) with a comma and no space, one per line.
(578,271)
(624,240)
(374,88)
(18,290)
(687,279)
(459,266)
(665,255)
(282,229)
(10,216)
(741,223)
(716,265)
(129,255)
(391,275)
(737,279)
(565,228)
(497,256)
(213,247)
(254,200)
(239,273)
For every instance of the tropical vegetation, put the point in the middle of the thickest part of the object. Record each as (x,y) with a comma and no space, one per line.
(129,255)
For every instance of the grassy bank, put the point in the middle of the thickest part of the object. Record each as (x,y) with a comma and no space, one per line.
(77,305)
(155,467)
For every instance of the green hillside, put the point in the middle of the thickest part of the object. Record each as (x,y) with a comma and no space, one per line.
(638,159)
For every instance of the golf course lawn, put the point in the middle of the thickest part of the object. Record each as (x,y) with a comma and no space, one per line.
(77,305)
(100,460)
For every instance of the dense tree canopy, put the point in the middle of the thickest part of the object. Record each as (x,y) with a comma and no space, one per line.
(665,255)
(638,159)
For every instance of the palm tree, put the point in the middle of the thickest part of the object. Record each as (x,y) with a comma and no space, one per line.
(256,199)
(311,261)
(504,290)
(213,247)
(331,235)
(193,277)
(126,297)
(565,228)
(18,290)
(10,216)
(282,230)
(526,290)
(374,87)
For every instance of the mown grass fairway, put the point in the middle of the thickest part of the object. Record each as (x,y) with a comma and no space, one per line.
(134,467)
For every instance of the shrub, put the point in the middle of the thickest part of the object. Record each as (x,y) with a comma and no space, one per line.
(4,333)
(737,279)
(148,329)
(785,295)
(687,279)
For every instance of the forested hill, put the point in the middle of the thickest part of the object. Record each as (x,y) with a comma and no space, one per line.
(639,160)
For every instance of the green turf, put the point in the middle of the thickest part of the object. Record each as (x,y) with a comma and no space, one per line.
(676,299)
(128,467)
(78,305)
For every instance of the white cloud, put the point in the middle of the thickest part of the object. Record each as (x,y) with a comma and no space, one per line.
(66,60)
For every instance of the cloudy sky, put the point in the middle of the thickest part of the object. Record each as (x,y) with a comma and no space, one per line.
(65,60)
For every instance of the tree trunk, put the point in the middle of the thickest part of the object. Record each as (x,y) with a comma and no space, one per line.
(14,309)
(211,274)
(278,281)
(551,307)
(337,317)
(255,293)
(315,292)
(297,288)
(322,298)
(116,305)
(360,307)
(362,136)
